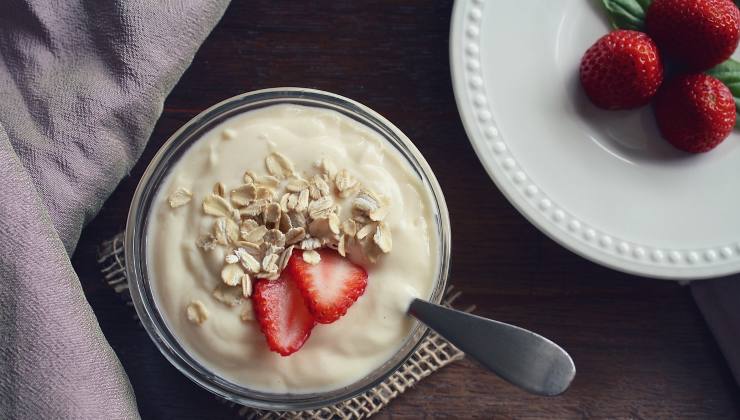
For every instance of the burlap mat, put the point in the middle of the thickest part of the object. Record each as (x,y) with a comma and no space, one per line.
(433,354)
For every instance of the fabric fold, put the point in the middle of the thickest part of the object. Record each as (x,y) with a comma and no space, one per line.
(82,84)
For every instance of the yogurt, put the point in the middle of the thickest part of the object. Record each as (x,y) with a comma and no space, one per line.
(180,272)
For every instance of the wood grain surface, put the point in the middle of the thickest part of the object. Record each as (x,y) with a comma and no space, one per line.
(641,347)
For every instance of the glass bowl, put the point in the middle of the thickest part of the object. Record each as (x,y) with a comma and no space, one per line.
(136,228)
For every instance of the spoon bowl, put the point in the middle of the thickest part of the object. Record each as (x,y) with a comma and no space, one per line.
(522,357)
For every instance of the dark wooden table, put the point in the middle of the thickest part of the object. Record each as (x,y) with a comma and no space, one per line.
(641,346)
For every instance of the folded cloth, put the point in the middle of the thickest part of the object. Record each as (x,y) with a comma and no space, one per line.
(718,301)
(82,83)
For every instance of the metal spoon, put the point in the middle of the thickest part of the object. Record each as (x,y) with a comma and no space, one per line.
(519,356)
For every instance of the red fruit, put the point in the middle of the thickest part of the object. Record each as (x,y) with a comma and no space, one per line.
(621,70)
(329,287)
(697,33)
(282,314)
(695,112)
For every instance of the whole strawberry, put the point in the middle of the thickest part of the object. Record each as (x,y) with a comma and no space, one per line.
(699,34)
(621,70)
(695,112)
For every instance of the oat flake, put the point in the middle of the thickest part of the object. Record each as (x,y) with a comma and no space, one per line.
(197,312)
(180,197)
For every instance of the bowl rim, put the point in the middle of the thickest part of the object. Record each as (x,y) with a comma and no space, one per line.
(136,228)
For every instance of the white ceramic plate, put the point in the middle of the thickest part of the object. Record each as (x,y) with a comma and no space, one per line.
(603,184)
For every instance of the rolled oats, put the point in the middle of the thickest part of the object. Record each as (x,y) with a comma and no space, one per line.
(284,202)
(327,167)
(297,220)
(254,209)
(284,257)
(225,231)
(349,227)
(311,257)
(296,184)
(248,260)
(331,241)
(334,223)
(228,134)
(228,295)
(302,202)
(251,248)
(274,237)
(269,263)
(382,238)
(219,189)
(285,223)
(243,195)
(232,230)
(215,205)
(268,181)
(180,197)
(272,213)
(206,242)
(319,227)
(379,213)
(270,276)
(264,193)
(248,225)
(366,201)
(321,207)
(365,231)
(292,202)
(249,177)
(310,243)
(279,165)
(268,248)
(321,186)
(345,183)
(255,235)
(360,218)
(325,227)
(313,191)
(341,246)
(295,235)
(246,286)
(232,274)
(371,250)
(197,312)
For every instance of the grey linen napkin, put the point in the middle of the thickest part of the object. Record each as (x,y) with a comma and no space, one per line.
(719,302)
(82,83)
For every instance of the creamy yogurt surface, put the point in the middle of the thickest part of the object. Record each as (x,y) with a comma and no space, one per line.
(337,354)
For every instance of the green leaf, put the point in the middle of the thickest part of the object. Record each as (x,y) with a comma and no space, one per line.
(729,74)
(627,14)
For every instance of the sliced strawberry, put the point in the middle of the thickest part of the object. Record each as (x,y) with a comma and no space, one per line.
(282,313)
(329,287)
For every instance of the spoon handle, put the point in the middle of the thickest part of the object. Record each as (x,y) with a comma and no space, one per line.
(519,356)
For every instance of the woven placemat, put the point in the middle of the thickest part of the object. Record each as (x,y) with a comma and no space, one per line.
(434,353)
